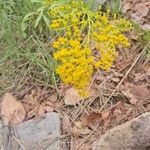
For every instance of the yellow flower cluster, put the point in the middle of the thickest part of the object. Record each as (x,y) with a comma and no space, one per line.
(107,35)
(79,28)
(63,17)
(76,66)
(76,61)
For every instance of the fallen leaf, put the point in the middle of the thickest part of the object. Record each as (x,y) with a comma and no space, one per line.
(41,109)
(119,105)
(33,113)
(66,125)
(141,92)
(133,100)
(126,6)
(72,97)
(134,36)
(53,98)
(79,129)
(48,108)
(117,113)
(106,118)
(139,77)
(121,64)
(93,119)
(41,112)
(12,111)
(27,107)
(141,9)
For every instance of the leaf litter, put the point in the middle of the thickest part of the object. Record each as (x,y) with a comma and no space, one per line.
(139,10)
(128,101)
(12,111)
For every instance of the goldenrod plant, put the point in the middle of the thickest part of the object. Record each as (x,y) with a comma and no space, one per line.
(79,28)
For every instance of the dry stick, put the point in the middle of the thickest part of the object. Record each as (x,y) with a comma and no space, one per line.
(136,60)
(98,71)
(88,136)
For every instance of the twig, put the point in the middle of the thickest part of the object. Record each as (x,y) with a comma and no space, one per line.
(88,136)
(125,116)
(94,78)
(136,60)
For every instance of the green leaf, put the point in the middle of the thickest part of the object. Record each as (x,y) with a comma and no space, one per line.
(38,19)
(27,16)
(24,26)
(47,22)
(41,8)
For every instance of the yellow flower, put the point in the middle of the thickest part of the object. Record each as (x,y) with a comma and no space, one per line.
(80,37)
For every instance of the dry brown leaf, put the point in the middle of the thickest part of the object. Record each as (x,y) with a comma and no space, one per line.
(141,92)
(32,113)
(53,98)
(48,108)
(12,111)
(106,118)
(133,100)
(140,77)
(49,103)
(66,125)
(72,97)
(119,105)
(138,10)
(134,36)
(141,9)
(41,112)
(120,64)
(126,6)
(117,115)
(79,129)
(93,119)
(117,112)
(27,107)
(41,109)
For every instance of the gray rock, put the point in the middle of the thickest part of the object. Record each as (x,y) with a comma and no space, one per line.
(35,134)
(132,135)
